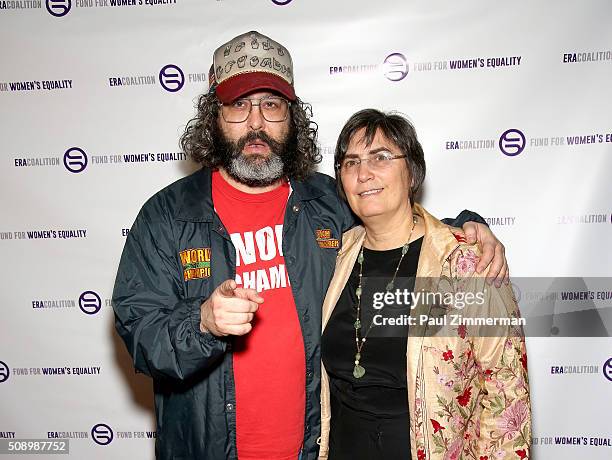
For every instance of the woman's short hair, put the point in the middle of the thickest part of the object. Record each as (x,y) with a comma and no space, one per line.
(397,129)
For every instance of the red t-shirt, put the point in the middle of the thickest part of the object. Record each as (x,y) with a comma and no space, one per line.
(269,361)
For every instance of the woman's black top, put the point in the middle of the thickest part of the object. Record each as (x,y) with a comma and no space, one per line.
(369,415)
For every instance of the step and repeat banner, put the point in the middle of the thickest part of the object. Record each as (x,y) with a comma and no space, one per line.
(512,104)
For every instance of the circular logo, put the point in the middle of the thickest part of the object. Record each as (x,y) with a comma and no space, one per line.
(395,67)
(58,8)
(281,3)
(171,78)
(75,160)
(512,142)
(607,369)
(90,303)
(102,434)
(4,372)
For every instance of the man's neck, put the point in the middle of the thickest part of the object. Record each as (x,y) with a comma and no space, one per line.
(247,188)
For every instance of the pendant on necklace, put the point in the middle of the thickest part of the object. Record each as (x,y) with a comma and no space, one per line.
(358,371)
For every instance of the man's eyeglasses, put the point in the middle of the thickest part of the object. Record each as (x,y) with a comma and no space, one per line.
(273,109)
(378,161)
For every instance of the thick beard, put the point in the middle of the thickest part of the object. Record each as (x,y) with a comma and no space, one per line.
(253,170)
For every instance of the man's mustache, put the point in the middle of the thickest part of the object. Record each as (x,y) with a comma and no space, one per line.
(252,136)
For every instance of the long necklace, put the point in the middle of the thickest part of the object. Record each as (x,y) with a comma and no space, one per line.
(359,370)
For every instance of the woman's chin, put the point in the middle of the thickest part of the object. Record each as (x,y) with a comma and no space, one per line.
(370,213)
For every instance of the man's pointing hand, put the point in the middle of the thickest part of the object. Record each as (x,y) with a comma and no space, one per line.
(229,310)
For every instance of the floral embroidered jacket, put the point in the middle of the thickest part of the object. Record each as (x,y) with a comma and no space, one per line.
(468,391)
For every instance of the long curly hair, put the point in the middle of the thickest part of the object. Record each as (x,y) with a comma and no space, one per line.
(200,139)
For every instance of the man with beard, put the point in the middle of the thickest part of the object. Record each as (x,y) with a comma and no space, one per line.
(219,290)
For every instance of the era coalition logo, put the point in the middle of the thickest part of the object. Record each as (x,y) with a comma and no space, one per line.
(58,8)
(512,142)
(395,67)
(90,302)
(102,434)
(607,369)
(281,2)
(75,160)
(172,78)
(4,372)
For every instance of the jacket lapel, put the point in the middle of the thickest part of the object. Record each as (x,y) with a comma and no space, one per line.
(438,244)
(351,245)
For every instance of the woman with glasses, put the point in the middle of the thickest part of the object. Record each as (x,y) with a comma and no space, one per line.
(441,376)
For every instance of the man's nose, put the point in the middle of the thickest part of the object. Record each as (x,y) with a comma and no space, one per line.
(255,120)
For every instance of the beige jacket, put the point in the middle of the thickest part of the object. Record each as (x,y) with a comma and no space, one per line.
(468,394)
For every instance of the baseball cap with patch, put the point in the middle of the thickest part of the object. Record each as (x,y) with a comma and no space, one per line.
(251,62)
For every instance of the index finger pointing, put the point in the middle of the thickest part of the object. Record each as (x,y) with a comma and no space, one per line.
(241,306)
(250,294)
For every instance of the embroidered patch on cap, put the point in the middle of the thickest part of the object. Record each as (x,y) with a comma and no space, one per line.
(325,240)
(196,263)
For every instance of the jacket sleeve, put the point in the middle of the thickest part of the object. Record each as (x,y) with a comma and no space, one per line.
(505,423)
(463,217)
(347,217)
(160,328)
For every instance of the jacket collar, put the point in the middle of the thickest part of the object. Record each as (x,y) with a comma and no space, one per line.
(307,189)
(196,203)
(439,243)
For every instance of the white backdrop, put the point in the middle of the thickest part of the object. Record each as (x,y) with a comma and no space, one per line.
(522,88)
